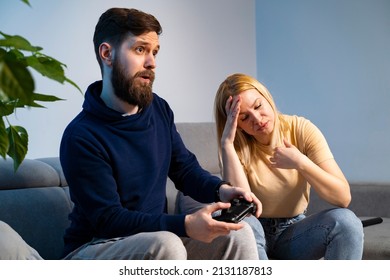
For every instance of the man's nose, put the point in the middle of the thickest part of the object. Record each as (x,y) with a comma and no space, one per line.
(150,61)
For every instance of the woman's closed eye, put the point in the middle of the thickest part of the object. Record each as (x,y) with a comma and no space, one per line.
(243,117)
(258,106)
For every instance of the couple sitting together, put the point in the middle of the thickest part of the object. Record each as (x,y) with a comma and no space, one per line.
(118,151)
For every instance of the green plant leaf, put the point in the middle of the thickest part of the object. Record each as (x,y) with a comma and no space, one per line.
(17,42)
(4,142)
(46,97)
(50,67)
(17,88)
(16,82)
(26,2)
(47,67)
(7,108)
(74,84)
(18,142)
(42,98)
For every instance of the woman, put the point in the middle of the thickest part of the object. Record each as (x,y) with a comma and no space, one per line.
(279,157)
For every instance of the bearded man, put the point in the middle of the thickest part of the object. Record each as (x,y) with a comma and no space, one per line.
(117,153)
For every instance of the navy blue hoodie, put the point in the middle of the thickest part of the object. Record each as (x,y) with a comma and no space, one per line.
(117,166)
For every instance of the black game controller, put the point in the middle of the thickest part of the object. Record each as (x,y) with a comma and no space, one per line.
(238,210)
(372,221)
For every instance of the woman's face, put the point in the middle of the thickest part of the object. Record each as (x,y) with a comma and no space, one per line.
(256,117)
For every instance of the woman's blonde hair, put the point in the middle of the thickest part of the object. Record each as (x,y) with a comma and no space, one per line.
(246,146)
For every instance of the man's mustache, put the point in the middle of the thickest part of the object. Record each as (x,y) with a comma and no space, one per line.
(146,74)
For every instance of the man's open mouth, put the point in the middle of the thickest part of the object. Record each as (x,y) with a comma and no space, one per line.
(146,76)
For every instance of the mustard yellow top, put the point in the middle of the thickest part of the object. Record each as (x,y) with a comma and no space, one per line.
(284,192)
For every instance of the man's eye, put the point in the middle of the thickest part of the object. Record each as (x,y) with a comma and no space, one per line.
(140,49)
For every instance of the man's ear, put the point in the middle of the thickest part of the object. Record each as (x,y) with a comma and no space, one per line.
(106,54)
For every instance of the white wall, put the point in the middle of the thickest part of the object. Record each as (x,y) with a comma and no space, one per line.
(330,62)
(202,42)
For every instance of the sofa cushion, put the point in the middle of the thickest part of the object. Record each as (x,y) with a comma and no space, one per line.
(376,241)
(171,197)
(201,140)
(39,215)
(55,163)
(370,200)
(30,174)
(187,205)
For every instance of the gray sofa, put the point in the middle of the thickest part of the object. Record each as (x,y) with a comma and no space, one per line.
(35,200)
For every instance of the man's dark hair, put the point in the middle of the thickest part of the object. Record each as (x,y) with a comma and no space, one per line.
(117,23)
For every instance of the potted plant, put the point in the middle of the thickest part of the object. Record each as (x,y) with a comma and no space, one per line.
(17,88)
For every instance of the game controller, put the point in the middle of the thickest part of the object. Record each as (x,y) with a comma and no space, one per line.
(238,210)
(372,221)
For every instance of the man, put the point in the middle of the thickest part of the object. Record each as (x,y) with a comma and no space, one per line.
(116,156)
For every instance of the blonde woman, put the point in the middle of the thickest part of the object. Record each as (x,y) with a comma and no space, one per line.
(281,158)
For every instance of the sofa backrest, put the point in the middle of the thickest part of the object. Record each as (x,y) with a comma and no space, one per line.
(34,201)
(201,139)
(368,200)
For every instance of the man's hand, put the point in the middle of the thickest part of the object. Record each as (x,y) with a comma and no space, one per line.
(201,226)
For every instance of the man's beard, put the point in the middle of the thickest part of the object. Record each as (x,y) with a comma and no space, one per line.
(128,89)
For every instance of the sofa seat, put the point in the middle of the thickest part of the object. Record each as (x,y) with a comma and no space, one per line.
(376,240)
